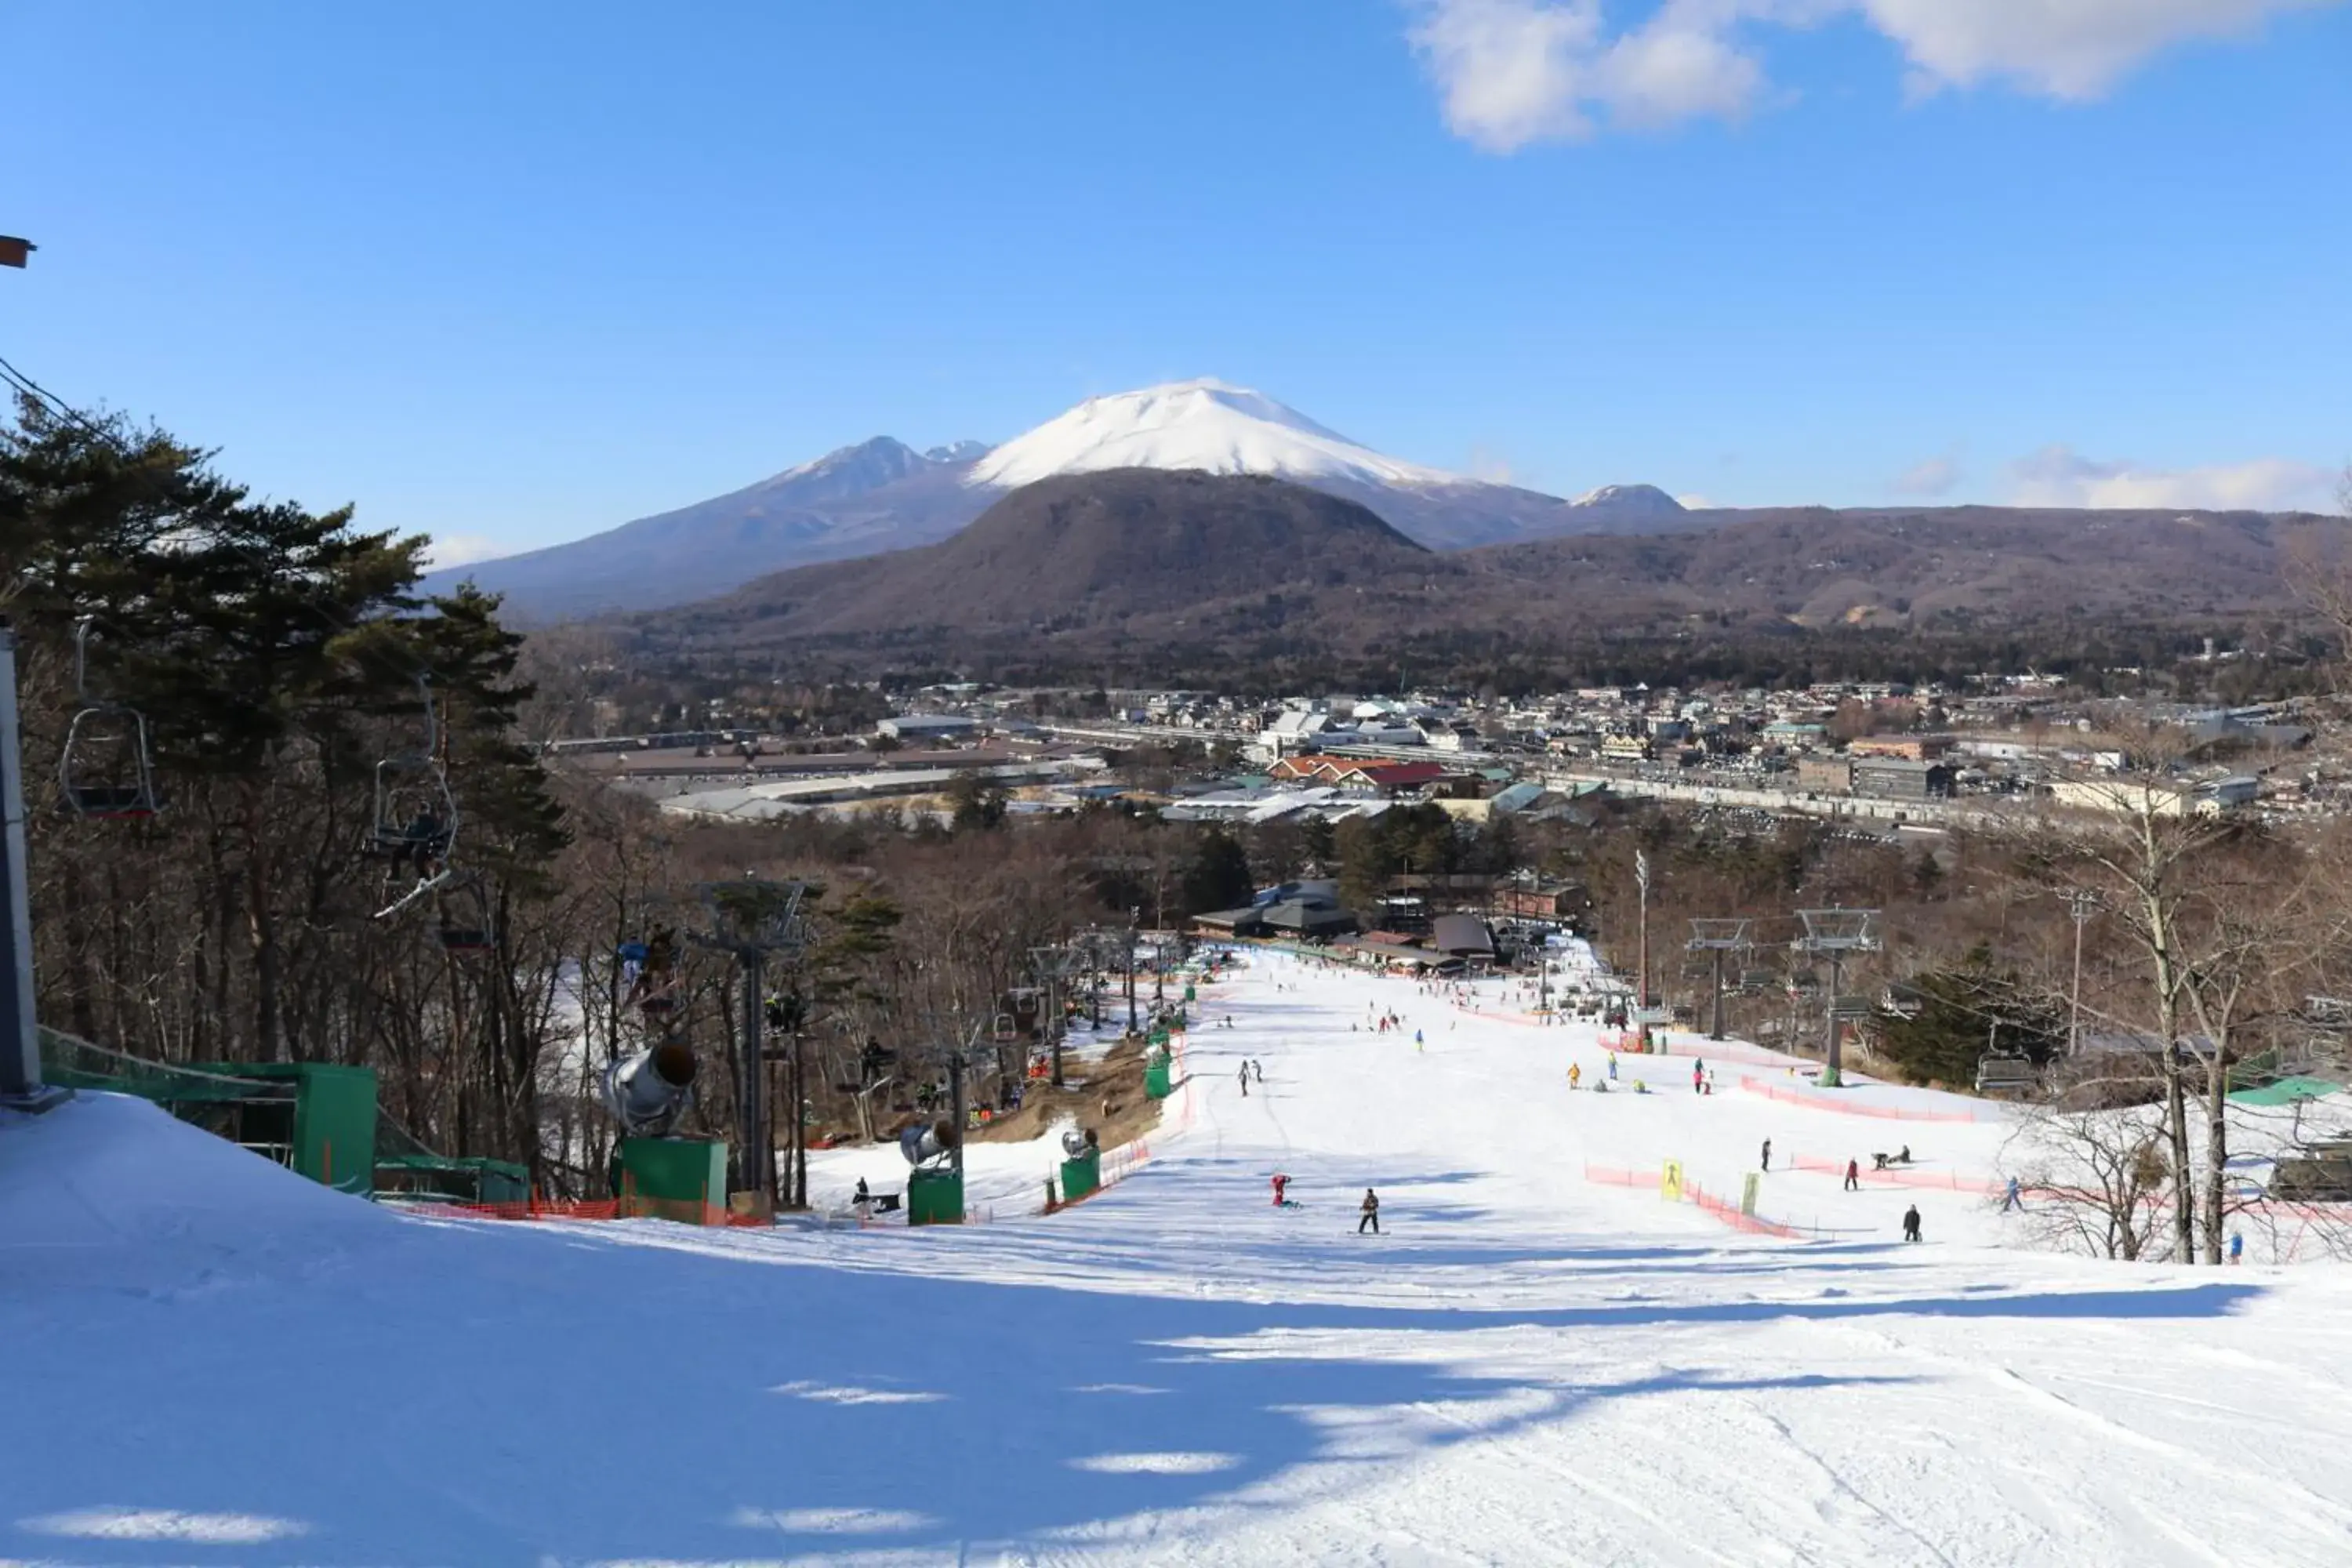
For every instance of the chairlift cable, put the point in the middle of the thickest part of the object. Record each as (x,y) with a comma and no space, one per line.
(437,741)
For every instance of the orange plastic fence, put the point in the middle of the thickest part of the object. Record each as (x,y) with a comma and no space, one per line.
(1730,1215)
(1715,1208)
(606,1209)
(1946,1181)
(1853,1107)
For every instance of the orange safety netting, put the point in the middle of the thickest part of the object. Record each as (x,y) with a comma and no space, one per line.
(1946,1181)
(1853,1108)
(687,1212)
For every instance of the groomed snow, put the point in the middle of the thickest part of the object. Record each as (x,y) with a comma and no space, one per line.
(1533,1365)
(1203,424)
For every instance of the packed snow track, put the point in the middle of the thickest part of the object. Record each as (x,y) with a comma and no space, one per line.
(1538,1360)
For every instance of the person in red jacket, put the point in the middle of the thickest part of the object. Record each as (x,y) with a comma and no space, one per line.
(1279,1183)
(1853,1175)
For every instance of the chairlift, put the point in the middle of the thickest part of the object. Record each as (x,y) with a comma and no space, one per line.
(651,970)
(415,821)
(467,922)
(106,769)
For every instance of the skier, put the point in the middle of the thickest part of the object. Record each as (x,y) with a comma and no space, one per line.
(1575,1075)
(1245,1081)
(2010,1200)
(863,1202)
(2237,1246)
(1911,1223)
(1853,1175)
(1370,1209)
(1698,1077)
(1768,1153)
(1416,1039)
(1710,1081)
(1257,1070)
(1280,1182)
(1612,1066)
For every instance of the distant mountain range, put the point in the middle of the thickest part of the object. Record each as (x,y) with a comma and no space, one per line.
(1147,570)
(882,495)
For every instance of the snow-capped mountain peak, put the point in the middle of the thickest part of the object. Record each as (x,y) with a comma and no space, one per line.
(1646,500)
(1206,425)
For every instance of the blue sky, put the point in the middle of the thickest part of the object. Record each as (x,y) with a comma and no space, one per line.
(517,272)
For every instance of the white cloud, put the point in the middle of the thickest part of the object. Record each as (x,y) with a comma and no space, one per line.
(1513,72)
(461,550)
(1928,477)
(1696,503)
(2063,48)
(2058,475)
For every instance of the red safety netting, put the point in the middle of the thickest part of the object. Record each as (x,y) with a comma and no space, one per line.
(1732,1215)
(687,1212)
(1715,1208)
(1943,1181)
(1824,1101)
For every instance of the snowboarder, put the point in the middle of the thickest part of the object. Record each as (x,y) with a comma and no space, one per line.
(1257,1070)
(1612,1066)
(1911,1223)
(1853,1175)
(1280,1182)
(2237,1246)
(1370,1209)
(1768,1153)
(2010,1200)
(1575,1075)
(1245,1081)
(1698,1077)
(862,1204)
(1416,1039)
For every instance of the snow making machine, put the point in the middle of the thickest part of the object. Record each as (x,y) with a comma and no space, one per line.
(934,1172)
(655,1174)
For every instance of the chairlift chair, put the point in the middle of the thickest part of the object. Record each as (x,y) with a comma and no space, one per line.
(467,923)
(106,769)
(415,821)
(653,984)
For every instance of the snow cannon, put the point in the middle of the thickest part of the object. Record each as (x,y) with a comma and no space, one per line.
(648,1093)
(1074,1143)
(921,1145)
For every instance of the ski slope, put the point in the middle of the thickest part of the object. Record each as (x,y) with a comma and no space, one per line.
(211,1362)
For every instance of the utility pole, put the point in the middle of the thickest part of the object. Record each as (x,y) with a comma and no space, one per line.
(1718,937)
(1642,882)
(21,1087)
(1839,933)
(1134,926)
(750,919)
(2080,905)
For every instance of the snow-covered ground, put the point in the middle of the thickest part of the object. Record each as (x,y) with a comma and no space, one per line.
(208,1361)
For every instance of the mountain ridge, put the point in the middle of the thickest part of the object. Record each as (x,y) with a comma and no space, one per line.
(881,495)
(1021,593)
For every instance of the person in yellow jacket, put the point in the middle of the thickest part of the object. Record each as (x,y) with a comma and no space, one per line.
(1575,1075)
